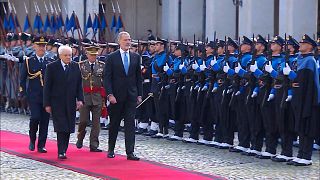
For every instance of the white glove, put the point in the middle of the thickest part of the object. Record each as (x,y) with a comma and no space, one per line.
(166,67)
(226,68)
(204,88)
(25,57)
(271,97)
(191,88)
(237,93)
(289,98)
(229,91)
(14,59)
(286,70)
(141,65)
(195,66)
(254,67)
(237,69)
(202,67)
(254,94)
(181,66)
(268,67)
(214,89)
(213,62)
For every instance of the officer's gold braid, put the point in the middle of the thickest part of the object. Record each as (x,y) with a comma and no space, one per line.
(34,75)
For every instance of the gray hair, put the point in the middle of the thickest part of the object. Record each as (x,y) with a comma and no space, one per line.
(121,34)
(64,48)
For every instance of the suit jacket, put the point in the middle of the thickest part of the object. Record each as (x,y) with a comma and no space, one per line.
(34,90)
(123,87)
(61,92)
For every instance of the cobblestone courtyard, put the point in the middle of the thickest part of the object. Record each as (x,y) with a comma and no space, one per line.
(193,157)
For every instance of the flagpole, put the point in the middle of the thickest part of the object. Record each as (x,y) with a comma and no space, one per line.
(107,26)
(120,16)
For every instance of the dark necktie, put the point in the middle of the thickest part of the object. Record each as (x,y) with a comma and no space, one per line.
(41,60)
(66,69)
(92,67)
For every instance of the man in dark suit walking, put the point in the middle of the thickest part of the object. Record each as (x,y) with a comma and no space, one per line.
(123,84)
(62,95)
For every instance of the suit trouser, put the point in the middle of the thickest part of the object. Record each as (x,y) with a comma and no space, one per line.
(39,119)
(305,147)
(95,130)
(122,110)
(63,141)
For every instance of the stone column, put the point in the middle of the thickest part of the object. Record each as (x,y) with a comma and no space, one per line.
(256,17)
(298,17)
(220,17)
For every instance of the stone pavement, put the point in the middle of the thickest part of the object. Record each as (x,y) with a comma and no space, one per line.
(187,156)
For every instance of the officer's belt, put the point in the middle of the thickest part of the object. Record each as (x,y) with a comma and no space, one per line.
(295,85)
(154,76)
(146,80)
(99,90)
(277,86)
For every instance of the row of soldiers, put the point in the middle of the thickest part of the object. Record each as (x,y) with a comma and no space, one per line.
(262,89)
(220,87)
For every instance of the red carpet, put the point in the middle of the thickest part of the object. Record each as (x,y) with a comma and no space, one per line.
(96,164)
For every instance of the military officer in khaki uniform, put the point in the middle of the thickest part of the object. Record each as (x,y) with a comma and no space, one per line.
(92,74)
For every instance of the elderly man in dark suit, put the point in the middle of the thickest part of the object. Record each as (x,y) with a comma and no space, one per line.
(123,84)
(62,95)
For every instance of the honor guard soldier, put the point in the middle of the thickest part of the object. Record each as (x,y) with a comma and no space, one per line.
(33,71)
(94,98)
(305,100)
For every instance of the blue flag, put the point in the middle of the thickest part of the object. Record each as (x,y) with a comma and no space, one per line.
(11,23)
(46,23)
(26,25)
(53,24)
(5,23)
(88,24)
(95,25)
(103,22)
(119,24)
(17,21)
(71,23)
(37,24)
(60,22)
(66,22)
(113,22)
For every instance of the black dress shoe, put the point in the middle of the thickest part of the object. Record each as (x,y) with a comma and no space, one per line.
(42,150)
(132,157)
(79,144)
(31,146)
(95,150)
(62,156)
(110,154)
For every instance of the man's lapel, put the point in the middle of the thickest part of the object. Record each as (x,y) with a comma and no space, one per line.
(131,62)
